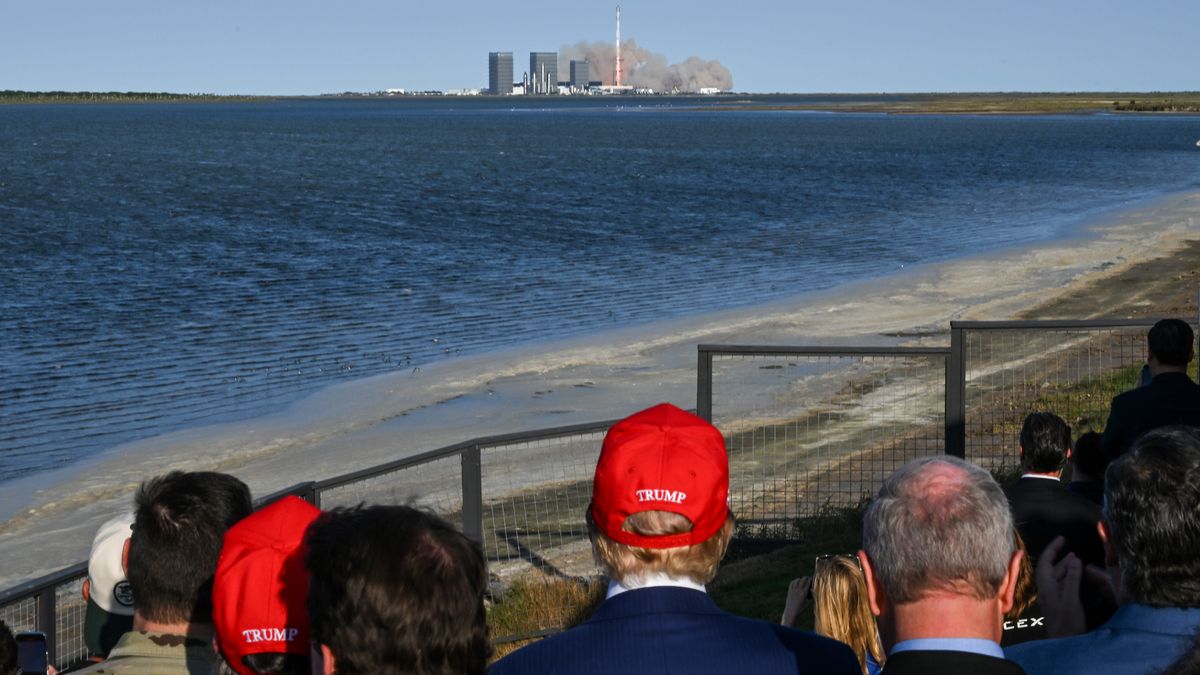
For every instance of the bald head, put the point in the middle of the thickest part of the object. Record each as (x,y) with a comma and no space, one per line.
(939,524)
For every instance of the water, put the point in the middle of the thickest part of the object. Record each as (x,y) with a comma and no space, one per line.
(166,266)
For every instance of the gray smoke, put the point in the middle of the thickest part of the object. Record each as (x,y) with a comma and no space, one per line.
(644,68)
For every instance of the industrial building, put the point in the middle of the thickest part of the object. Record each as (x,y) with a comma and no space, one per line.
(500,73)
(579,75)
(543,73)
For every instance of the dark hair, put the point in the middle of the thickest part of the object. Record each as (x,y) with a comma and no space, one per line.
(1170,341)
(1087,456)
(179,521)
(8,651)
(394,589)
(275,663)
(1152,507)
(1045,438)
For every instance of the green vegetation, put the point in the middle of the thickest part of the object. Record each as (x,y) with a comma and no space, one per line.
(13,96)
(983,103)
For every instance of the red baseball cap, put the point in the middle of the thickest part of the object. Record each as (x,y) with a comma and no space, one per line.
(662,459)
(261,586)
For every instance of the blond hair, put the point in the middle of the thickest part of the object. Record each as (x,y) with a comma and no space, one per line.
(841,610)
(629,564)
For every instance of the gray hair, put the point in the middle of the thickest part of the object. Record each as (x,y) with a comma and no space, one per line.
(939,523)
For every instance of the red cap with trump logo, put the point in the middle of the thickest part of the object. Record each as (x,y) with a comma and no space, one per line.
(261,586)
(662,459)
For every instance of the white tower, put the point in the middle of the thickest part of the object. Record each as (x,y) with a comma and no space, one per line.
(617,68)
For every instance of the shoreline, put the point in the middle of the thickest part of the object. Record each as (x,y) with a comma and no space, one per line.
(1155,243)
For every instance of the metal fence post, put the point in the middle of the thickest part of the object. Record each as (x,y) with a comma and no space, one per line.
(472,494)
(47,604)
(956,392)
(704,383)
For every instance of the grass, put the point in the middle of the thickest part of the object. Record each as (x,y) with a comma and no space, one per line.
(536,603)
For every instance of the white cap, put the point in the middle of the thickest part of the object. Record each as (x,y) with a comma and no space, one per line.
(110,590)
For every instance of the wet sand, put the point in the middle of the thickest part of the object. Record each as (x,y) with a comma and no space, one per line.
(1144,261)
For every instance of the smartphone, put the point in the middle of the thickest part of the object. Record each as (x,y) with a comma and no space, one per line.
(32,657)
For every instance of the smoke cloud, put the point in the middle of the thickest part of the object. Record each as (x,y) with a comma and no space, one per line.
(643,68)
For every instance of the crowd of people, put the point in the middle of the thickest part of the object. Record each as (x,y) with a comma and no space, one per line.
(1098,574)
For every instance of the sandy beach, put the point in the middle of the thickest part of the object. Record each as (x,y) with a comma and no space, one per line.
(1140,261)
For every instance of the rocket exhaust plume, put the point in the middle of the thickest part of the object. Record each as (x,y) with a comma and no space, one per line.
(640,67)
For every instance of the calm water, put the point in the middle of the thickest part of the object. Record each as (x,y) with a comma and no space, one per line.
(167,266)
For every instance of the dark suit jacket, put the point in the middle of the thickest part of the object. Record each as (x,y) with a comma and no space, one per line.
(1170,398)
(655,631)
(1044,509)
(948,663)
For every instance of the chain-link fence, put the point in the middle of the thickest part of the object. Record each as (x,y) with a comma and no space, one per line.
(1013,368)
(810,428)
(807,428)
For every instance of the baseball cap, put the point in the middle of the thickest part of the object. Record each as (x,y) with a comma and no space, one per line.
(261,584)
(109,613)
(661,459)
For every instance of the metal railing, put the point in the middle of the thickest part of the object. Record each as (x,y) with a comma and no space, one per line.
(807,428)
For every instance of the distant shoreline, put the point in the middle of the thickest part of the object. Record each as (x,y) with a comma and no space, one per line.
(968,103)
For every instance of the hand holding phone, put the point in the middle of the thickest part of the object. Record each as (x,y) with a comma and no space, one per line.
(32,657)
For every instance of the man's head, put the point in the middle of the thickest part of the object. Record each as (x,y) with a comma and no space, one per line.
(1170,343)
(939,529)
(8,651)
(1087,458)
(106,590)
(261,588)
(660,497)
(1151,522)
(1045,443)
(179,521)
(395,589)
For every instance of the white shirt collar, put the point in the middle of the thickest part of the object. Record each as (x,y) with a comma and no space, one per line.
(1043,476)
(651,580)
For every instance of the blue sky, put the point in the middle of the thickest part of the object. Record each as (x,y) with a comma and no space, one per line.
(321,46)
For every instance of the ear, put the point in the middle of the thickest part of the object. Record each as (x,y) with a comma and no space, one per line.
(87,589)
(125,556)
(1008,586)
(1068,453)
(876,596)
(328,662)
(1021,452)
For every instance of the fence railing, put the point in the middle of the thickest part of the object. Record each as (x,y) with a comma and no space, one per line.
(808,428)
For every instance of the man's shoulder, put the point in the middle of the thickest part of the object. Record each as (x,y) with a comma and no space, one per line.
(1137,637)
(137,652)
(687,640)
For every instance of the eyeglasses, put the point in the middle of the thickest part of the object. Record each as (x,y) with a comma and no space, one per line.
(824,558)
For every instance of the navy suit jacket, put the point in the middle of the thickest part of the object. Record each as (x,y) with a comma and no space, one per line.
(1043,509)
(1138,639)
(1170,398)
(661,630)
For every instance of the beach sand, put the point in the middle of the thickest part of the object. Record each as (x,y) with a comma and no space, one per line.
(1141,261)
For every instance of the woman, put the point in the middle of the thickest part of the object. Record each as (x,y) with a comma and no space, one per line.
(840,609)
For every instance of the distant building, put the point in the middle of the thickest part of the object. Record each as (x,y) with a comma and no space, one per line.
(543,72)
(579,75)
(500,73)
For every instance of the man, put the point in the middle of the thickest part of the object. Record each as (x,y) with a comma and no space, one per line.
(1151,533)
(8,651)
(1170,398)
(1042,506)
(170,558)
(660,523)
(394,589)
(106,591)
(260,590)
(941,566)
(1087,468)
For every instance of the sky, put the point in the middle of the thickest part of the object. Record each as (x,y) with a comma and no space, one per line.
(280,47)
